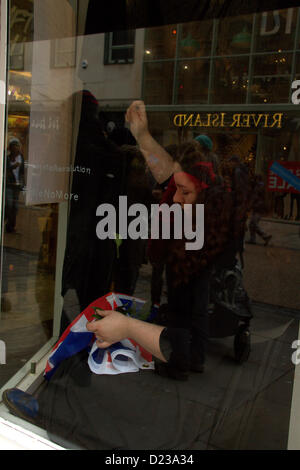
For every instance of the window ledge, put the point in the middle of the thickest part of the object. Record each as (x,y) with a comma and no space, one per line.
(14,437)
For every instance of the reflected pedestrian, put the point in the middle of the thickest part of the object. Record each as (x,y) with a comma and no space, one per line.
(258,206)
(206,145)
(295,197)
(14,183)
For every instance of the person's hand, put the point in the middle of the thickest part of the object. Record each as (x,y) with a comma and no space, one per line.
(137,118)
(113,327)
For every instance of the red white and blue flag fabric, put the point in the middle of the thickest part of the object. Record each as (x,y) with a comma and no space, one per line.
(124,356)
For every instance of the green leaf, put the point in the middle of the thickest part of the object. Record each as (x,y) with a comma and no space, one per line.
(118,241)
(96,315)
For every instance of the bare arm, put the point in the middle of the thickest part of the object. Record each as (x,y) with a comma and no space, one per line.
(159,161)
(115,327)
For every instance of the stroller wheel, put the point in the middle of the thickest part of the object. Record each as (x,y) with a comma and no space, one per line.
(242,344)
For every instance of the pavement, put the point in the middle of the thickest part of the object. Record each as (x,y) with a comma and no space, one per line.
(272,273)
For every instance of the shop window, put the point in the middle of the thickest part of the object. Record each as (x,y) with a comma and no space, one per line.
(270,90)
(271,78)
(199,80)
(234,35)
(192,81)
(16,57)
(158,82)
(275,30)
(196,39)
(64,52)
(21,32)
(160,43)
(272,64)
(230,80)
(297,67)
(119,47)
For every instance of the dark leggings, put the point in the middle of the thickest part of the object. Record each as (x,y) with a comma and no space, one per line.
(188,307)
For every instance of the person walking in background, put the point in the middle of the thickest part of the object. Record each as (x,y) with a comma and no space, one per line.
(279,204)
(295,197)
(206,147)
(14,183)
(235,176)
(258,206)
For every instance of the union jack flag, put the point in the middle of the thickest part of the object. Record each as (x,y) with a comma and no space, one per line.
(124,356)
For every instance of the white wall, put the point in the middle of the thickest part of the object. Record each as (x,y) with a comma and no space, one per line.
(111,84)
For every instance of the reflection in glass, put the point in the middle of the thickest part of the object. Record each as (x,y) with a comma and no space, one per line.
(275,30)
(234,35)
(119,47)
(158,82)
(230,80)
(196,39)
(192,81)
(297,67)
(67,141)
(272,64)
(270,90)
(160,43)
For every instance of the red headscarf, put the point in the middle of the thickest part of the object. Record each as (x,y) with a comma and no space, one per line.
(168,195)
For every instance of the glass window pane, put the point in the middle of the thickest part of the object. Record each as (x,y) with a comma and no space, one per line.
(272,64)
(192,81)
(160,43)
(16,62)
(124,54)
(270,90)
(195,39)
(234,35)
(230,80)
(297,65)
(158,82)
(275,30)
(122,37)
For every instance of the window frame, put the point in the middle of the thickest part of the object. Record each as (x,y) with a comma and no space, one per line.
(109,48)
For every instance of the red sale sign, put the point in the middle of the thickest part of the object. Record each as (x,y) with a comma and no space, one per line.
(275,182)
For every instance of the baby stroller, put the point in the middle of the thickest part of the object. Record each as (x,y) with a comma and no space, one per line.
(230,311)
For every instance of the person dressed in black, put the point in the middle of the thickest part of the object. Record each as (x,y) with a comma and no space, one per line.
(258,206)
(132,253)
(235,175)
(295,197)
(88,262)
(14,183)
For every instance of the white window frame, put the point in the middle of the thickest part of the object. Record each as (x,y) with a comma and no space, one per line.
(109,48)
